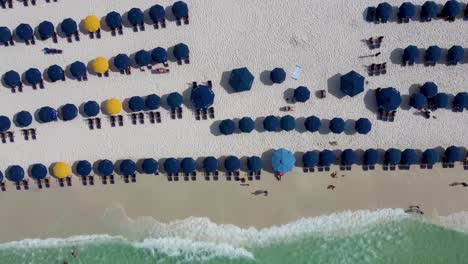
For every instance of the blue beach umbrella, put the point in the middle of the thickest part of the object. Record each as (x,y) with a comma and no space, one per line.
(271,123)
(288,123)
(47,114)
(254,164)
(433,53)
(461,100)
(430,157)
(143,58)
(348,157)
(388,99)
(227,127)
(5,35)
(69,112)
(278,75)
(55,73)
(152,102)
(429,10)
(136,104)
(24,32)
(407,10)
(352,83)
(210,164)
(78,69)
(301,94)
(312,124)
(113,20)
(38,171)
(337,125)
(188,165)
(105,167)
(392,156)
(282,161)
(171,166)
(23,119)
(149,166)
(180,9)
(327,158)
(383,11)
(310,159)
(202,97)
(371,157)
(181,51)
(15,173)
(157,13)
(409,157)
(174,100)
(127,167)
(135,16)
(83,168)
(246,124)
(411,54)
(455,54)
(159,55)
(5,123)
(33,76)
(69,27)
(12,79)
(453,154)
(122,62)
(363,126)
(429,89)
(232,163)
(441,100)
(418,101)
(91,108)
(451,8)
(46,29)
(241,79)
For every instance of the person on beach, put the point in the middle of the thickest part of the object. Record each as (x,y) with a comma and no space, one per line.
(243,182)
(73,252)
(377,54)
(331,187)
(265,192)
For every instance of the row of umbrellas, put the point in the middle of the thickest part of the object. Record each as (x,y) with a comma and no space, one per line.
(455,54)
(99,65)
(288,123)
(429,94)
(135,16)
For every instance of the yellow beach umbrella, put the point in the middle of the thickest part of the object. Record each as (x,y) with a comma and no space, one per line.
(113,106)
(91,24)
(61,170)
(100,65)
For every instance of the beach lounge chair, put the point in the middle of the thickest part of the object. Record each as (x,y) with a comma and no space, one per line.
(25,133)
(193,176)
(465,164)
(151,117)
(305,169)
(84,181)
(179,112)
(61,183)
(47,182)
(91,180)
(141,118)
(111,179)
(25,184)
(11,136)
(69,181)
(216,175)
(112,121)
(197,114)
(210,84)
(258,175)
(229,176)
(391,116)
(2,186)
(32,132)
(173,113)
(97,120)
(158,117)
(134,118)
(104,179)
(120,117)
(18,186)
(90,123)
(186,20)
(211,112)
(176,177)
(204,114)
(39,184)
(194,84)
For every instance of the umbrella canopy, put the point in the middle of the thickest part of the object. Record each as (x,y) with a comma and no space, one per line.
(278,75)
(12,79)
(91,23)
(61,170)
(83,168)
(392,156)
(113,20)
(122,62)
(288,123)
(210,164)
(383,11)
(388,99)
(174,100)
(38,171)
(135,16)
(451,8)
(241,79)
(441,100)
(254,163)
(24,32)
(352,83)
(246,124)
(363,126)
(202,97)
(227,127)
(159,55)
(310,159)
(188,165)
(371,157)
(271,123)
(301,94)
(282,161)
(69,112)
(327,158)
(47,114)
(5,35)
(171,166)
(1,176)
(180,9)
(312,123)
(429,10)
(46,29)
(149,166)
(55,73)
(69,26)
(127,167)
(105,167)
(433,53)
(15,173)
(113,106)
(453,154)
(78,69)
(136,104)
(152,102)
(232,163)
(5,123)
(143,58)
(23,119)
(337,125)
(348,157)
(429,89)
(91,108)
(181,51)
(418,101)
(430,157)
(157,13)
(461,100)
(100,65)
(409,157)
(407,10)
(33,76)
(411,54)
(455,54)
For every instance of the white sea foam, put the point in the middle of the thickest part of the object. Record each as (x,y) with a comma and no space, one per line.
(59,242)
(457,221)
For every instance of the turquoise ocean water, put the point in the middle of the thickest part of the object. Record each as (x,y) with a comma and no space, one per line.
(389,237)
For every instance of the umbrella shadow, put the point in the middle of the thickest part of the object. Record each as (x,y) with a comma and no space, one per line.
(68,73)
(112,67)
(224,82)
(104,26)
(298,156)
(169,15)
(126,107)
(265,78)
(81,110)
(396,56)
(170,54)
(333,84)
(288,95)
(186,94)
(74,167)
(370,101)
(349,127)
(89,68)
(259,124)
(164,104)
(199,162)
(300,127)
(214,128)
(243,162)
(266,160)
(324,127)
